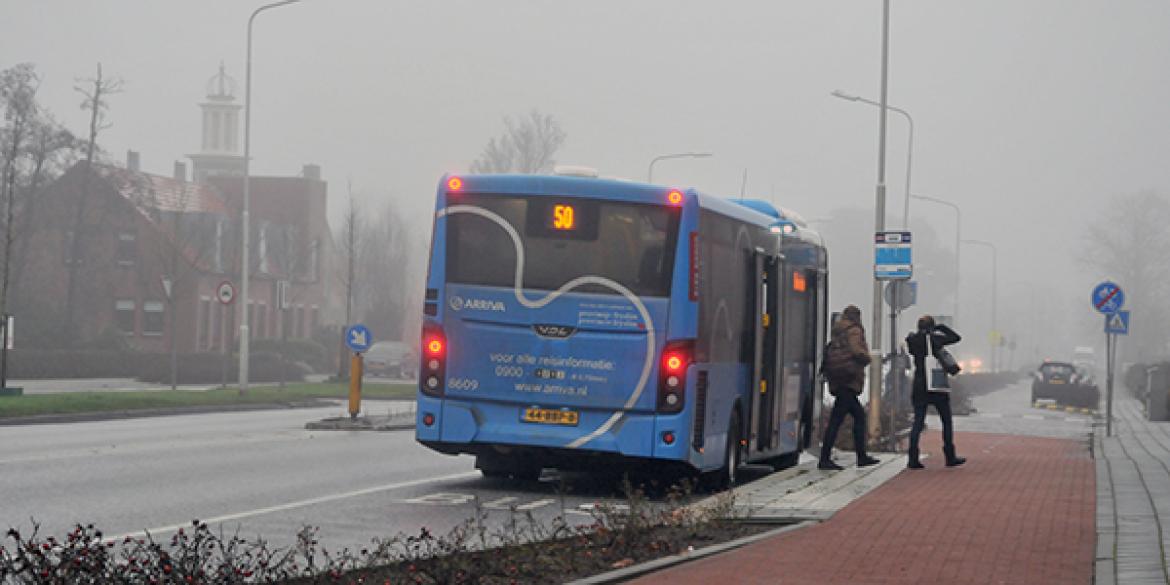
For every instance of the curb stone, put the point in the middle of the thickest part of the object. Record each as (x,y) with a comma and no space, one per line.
(658,564)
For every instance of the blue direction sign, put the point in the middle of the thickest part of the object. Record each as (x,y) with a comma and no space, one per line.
(892,259)
(1117,323)
(1108,298)
(358,338)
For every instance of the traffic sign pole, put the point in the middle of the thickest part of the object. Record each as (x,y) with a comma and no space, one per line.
(355,385)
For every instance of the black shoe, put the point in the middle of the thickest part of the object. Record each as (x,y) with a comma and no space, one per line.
(956,461)
(829,466)
(915,465)
(867,461)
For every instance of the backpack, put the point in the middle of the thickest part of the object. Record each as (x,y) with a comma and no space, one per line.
(837,363)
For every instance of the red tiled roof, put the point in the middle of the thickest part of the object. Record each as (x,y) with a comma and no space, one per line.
(156,193)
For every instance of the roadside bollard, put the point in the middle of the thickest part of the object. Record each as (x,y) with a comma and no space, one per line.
(355,385)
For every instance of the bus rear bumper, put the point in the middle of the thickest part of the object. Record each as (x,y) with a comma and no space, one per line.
(467,427)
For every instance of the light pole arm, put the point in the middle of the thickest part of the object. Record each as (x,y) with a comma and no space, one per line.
(958,240)
(650,170)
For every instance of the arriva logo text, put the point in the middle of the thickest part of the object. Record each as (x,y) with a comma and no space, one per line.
(458,304)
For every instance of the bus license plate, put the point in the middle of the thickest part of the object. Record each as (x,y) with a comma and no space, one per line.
(549,416)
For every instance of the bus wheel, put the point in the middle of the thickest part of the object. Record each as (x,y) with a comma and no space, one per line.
(724,477)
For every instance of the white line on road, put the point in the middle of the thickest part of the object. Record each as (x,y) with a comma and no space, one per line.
(302,503)
(991,414)
(1033,417)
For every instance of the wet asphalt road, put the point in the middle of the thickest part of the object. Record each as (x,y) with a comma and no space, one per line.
(259,472)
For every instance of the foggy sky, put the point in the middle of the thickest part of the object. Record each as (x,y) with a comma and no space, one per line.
(1029,115)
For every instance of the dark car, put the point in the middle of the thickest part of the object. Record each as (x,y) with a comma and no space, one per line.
(1063,383)
(391,359)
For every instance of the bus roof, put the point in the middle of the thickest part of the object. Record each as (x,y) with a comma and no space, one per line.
(602,188)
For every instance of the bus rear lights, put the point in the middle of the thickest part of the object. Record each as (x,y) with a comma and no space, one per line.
(428,419)
(668,438)
(434,360)
(675,197)
(454,184)
(676,357)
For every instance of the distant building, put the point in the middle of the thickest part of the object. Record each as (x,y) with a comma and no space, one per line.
(142,232)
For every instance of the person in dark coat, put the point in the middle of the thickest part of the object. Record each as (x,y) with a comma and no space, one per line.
(922,344)
(844,368)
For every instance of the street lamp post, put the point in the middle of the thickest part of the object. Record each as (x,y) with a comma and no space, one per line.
(650,172)
(958,238)
(994,297)
(245,216)
(909,148)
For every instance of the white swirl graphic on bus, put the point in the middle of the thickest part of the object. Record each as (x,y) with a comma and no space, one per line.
(517,289)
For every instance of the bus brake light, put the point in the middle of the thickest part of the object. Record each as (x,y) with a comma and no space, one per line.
(454,184)
(675,197)
(674,363)
(435,346)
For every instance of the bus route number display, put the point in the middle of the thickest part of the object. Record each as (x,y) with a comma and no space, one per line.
(563,217)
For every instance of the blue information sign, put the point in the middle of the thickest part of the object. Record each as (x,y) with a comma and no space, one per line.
(892,260)
(358,338)
(1117,323)
(1108,298)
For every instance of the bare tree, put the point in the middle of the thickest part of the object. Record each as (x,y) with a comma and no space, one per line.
(352,244)
(18,88)
(1129,242)
(385,291)
(95,91)
(527,145)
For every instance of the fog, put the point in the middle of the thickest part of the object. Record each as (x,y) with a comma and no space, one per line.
(1030,116)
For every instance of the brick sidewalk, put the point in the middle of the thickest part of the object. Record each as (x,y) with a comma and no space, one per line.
(1021,510)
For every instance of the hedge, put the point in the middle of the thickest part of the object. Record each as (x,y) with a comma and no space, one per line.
(208,368)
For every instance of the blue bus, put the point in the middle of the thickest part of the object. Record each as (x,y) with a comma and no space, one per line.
(572,322)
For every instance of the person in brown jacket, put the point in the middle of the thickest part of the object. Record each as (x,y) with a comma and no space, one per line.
(844,368)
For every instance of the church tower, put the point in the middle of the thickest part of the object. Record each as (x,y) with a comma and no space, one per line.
(220,154)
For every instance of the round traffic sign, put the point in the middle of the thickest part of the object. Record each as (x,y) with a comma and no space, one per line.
(1107,297)
(358,338)
(225,293)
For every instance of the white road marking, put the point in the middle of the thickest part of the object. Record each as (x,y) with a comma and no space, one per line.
(441,499)
(501,504)
(302,503)
(991,414)
(535,505)
(1033,417)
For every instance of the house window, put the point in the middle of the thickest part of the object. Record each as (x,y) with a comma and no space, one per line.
(127,249)
(205,334)
(152,318)
(263,248)
(124,316)
(314,258)
(218,260)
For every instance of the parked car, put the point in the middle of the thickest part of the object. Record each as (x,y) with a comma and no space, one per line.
(1065,384)
(392,359)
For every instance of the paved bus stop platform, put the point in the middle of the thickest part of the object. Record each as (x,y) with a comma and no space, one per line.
(1022,510)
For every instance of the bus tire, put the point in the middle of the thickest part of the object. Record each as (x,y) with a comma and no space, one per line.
(724,477)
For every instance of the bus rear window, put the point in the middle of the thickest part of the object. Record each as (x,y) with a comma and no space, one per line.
(562,239)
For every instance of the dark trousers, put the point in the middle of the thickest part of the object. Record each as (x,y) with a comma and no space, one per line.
(845,404)
(942,403)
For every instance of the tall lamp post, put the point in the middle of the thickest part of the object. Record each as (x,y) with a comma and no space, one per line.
(245,216)
(958,238)
(909,148)
(994,298)
(650,172)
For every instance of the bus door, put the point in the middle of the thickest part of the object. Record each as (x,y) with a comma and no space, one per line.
(768,274)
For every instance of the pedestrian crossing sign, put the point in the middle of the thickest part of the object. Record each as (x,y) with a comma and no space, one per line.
(1117,323)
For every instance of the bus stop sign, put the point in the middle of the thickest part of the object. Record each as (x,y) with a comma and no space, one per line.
(892,256)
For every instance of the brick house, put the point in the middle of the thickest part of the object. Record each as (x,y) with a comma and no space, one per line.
(142,232)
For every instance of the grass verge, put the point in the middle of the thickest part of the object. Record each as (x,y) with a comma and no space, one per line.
(98,402)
